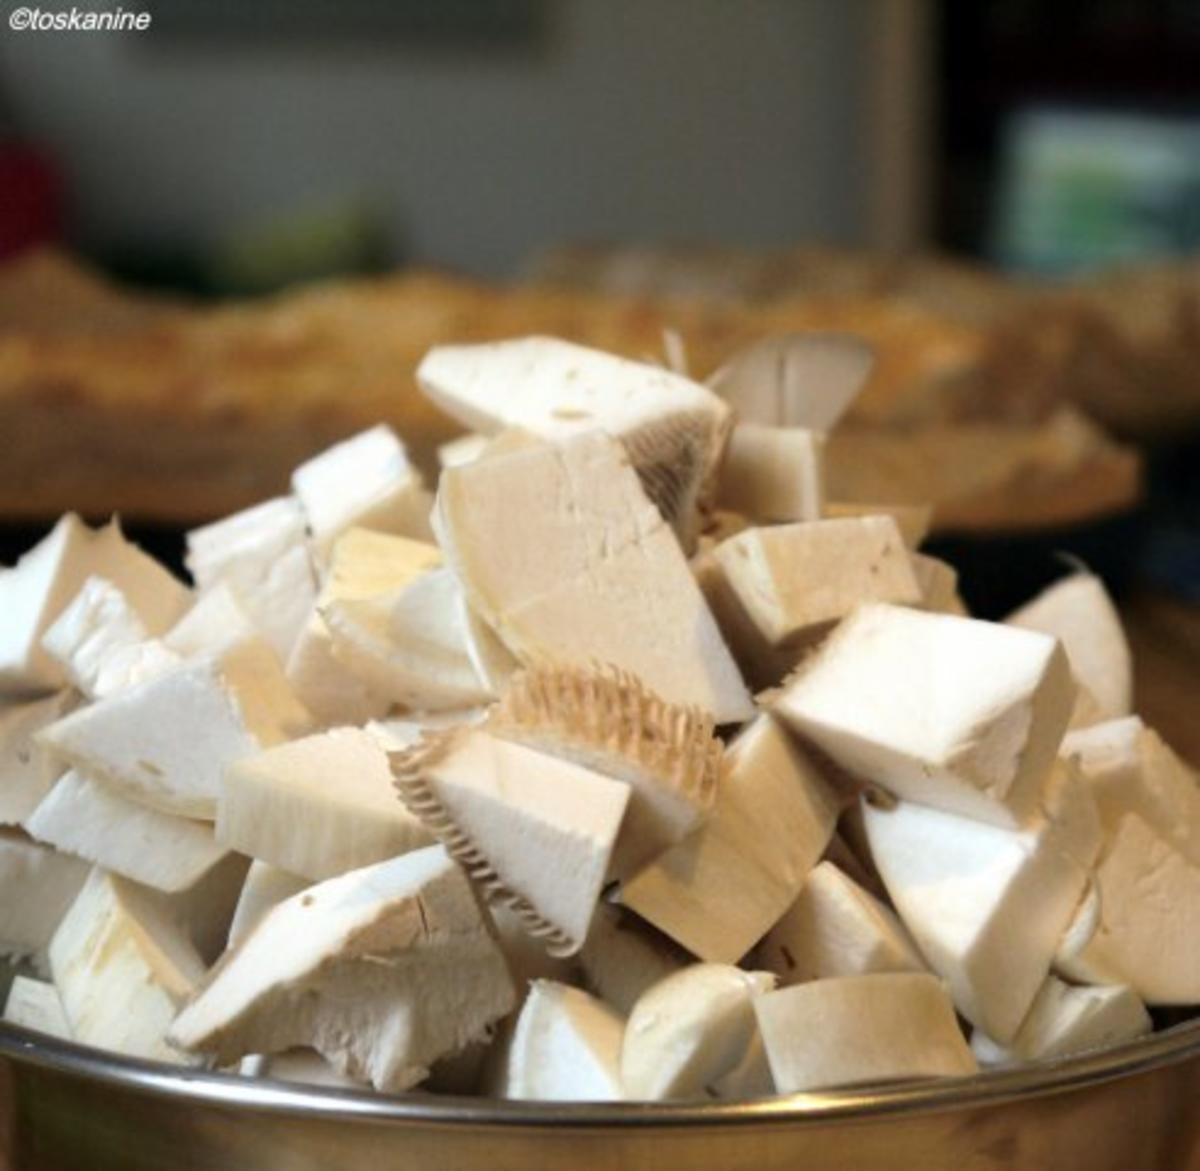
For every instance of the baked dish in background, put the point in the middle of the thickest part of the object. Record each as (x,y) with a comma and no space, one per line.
(171,412)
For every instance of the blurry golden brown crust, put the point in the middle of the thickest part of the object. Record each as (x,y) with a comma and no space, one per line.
(178,413)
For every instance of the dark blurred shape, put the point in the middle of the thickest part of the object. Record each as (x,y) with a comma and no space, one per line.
(996,57)
(31,199)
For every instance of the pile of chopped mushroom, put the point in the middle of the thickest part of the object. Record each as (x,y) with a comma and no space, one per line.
(623,766)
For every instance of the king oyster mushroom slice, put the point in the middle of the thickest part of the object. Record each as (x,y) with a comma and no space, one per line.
(852,1030)
(365,481)
(987,906)
(261,555)
(542,536)
(26,774)
(410,645)
(1141,925)
(123,968)
(795,579)
(103,644)
(36,590)
(962,715)
(165,742)
(673,429)
(1131,770)
(690,1031)
(265,886)
(773,473)
(92,820)
(317,807)
(623,956)
(796,379)
(566,1046)
(362,565)
(1079,611)
(719,890)
(35,1004)
(37,886)
(1065,1019)
(536,832)
(836,928)
(606,720)
(382,971)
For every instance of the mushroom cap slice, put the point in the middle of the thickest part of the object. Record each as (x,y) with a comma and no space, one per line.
(382,971)
(673,429)
(607,720)
(534,831)
(857,1029)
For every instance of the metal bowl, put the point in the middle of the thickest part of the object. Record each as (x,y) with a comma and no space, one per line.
(1130,1108)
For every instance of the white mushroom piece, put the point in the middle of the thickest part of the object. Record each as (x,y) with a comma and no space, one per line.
(123,969)
(260,557)
(540,536)
(35,591)
(566,1046)
(962,715)
(165,742)
(722,888)
(673,430)
(692,1030)
(536,832)
(366,481)
(382,971)
(317,807)
(1066,1019)
(1079,611)
(853,1030)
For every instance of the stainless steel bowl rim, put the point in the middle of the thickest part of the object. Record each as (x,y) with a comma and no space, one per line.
(1168,1047)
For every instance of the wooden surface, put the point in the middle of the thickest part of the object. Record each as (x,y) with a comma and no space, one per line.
(1165,637)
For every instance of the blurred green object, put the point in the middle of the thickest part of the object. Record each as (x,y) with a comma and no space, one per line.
(1083,189)
(302,246)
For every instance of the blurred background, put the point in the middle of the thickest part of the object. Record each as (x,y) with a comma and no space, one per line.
(1003,196)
